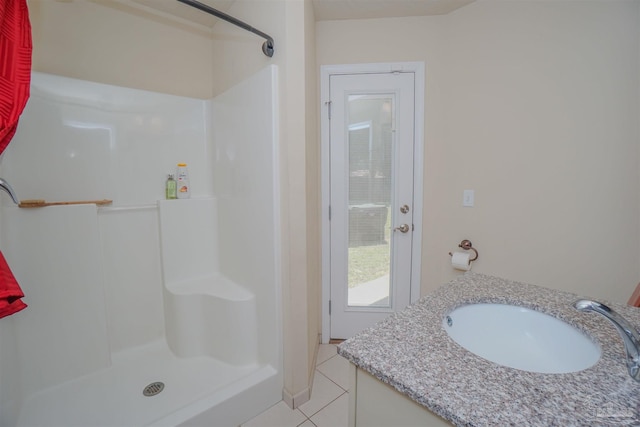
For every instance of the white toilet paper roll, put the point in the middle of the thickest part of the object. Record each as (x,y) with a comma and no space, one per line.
(460,261)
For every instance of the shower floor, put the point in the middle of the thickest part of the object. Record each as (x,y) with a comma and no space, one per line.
(113,396)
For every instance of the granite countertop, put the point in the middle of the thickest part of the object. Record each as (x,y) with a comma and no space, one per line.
(412,352)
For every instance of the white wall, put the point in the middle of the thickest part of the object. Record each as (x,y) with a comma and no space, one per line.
(313,195)
(563,124)
(112,42)
(534,105)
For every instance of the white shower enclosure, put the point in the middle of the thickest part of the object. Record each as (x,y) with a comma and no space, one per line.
(142,291)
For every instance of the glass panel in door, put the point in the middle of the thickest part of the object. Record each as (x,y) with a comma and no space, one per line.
(369,199)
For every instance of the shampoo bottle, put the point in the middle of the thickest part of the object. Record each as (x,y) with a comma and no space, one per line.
(171,188)
(184,189)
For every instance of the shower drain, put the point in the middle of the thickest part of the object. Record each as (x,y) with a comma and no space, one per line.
(153,388)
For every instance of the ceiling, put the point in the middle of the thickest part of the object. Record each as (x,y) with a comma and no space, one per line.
(324,10)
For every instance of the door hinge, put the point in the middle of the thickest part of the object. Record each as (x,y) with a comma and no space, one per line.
(329,307)
(329,212)
(328,103)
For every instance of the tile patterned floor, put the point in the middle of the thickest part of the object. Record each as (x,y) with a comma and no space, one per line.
(329,403)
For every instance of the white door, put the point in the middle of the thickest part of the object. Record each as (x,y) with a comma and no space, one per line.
(371,186)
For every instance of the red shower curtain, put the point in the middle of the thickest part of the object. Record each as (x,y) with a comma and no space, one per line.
(15,80)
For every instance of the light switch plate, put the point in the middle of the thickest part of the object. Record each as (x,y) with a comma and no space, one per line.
(468,198)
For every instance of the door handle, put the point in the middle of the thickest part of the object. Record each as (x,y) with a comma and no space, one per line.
(402,228)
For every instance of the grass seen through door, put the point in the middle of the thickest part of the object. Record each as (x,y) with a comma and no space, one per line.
(370,262)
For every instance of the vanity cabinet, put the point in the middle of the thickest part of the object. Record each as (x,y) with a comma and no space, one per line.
(373,403)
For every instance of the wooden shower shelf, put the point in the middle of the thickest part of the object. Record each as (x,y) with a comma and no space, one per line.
(39,203)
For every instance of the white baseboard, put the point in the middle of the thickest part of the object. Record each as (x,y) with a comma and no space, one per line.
(293,401)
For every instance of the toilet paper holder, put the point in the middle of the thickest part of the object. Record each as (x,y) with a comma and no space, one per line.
(467,246)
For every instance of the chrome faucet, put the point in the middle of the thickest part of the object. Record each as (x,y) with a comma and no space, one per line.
(6,187)
(629,334)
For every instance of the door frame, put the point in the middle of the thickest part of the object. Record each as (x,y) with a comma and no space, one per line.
(326,71)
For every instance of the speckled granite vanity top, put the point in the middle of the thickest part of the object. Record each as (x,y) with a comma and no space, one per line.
(412,352)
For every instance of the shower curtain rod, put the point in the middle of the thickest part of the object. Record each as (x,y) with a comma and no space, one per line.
(267,46)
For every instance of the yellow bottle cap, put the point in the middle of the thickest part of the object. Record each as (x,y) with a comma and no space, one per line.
(182,164)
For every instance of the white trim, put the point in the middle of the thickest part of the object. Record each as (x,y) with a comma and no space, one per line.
(325,202)
(418,183)
(416,265)
(300,398)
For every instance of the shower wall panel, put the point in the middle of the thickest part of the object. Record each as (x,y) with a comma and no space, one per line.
(133,296)
(80,140)
(55,254)
(92,276)
(245,138)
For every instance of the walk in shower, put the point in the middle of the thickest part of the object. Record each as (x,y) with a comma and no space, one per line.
(144,311)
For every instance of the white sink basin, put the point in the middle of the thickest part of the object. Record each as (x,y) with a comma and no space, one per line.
(521,338)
